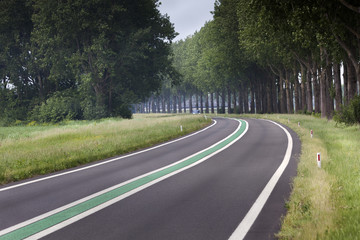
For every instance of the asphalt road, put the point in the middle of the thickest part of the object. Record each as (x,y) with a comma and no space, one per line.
(207,200)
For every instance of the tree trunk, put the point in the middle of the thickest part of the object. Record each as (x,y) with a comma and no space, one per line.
(287,90)
(323,93)
(212,102)
(276,96)
(153,106)
(252,100)
(246,99)
(184,98)
(296,92)
(207,103)
(158,104)
(197,101)
(316,90)
(169,104)
(262,95)
(174,104)
(201,103)
(337,82)
(345,76)
(281,94)
(217,102)
(163,104)
(291,91)
(329,86)
(235,105)
(303,86)
(258,97)
(223,97)
(179,103)
(351,81)
(190,103)
(268,96)
(240,100)
(229,100)
(309,94)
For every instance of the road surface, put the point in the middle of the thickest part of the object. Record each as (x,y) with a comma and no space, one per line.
(208,185)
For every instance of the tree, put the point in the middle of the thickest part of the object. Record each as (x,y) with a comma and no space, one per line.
(16,90)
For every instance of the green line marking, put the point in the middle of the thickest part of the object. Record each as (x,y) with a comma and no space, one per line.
(68,213)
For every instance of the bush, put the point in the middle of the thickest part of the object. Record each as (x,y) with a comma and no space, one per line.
(60,106)
(124,111)
(349,114)
(91,111)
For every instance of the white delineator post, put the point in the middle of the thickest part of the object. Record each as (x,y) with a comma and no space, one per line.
(311,133)
(181,128)
(318,160)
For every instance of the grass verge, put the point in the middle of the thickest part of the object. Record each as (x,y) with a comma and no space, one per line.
(35,150)
(324,203)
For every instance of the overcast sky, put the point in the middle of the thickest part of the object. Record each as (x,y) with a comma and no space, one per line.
(187,15)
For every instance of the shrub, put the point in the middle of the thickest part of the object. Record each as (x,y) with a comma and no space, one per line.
(60,106)
(91,111)
(349,114)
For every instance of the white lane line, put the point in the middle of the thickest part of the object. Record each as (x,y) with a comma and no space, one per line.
(117,199)
(245,225)
(105,162)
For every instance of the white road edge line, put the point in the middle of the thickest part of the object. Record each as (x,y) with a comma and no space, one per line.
(106,204)
(245,225)
(105,162)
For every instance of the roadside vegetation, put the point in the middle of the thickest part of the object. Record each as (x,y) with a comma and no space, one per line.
(59,62)
(324,203)
(27,151)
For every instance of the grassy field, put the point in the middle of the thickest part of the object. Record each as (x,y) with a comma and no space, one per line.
(325,203)
(27,151)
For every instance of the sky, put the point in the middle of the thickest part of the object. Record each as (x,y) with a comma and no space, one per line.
(188,16)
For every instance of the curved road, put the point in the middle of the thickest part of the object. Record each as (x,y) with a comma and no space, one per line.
(205,196)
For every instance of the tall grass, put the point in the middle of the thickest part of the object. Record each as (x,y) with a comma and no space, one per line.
(31,151)
(324,203)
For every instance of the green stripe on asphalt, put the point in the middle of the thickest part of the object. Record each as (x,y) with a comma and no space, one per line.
(68,213)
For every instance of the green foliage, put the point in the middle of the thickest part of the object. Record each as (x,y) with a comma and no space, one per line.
(11,108)
(349,114)
(117,49)
(59,107)
(92,111)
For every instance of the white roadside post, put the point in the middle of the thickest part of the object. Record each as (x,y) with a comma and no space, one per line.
(319,160)
(181,128)
(298,124)
(311,133)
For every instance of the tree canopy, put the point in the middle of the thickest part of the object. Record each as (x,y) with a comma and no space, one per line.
(105,54)
(275,56)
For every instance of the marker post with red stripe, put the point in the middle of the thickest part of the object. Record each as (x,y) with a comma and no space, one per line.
(319,160)
(311,133)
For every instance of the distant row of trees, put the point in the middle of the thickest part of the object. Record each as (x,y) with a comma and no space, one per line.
(80,59)
(269,56)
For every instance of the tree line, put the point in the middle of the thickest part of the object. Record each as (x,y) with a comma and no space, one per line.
(268,56)
(80,59)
